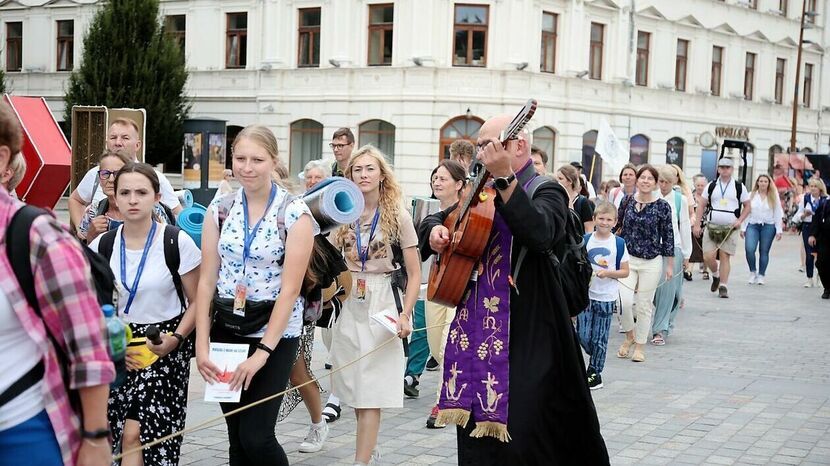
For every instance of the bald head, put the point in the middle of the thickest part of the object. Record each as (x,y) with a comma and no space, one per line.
(493,127)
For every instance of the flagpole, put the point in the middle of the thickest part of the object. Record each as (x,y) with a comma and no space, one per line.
(593,162)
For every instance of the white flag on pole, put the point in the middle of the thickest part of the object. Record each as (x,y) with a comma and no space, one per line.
(609,148)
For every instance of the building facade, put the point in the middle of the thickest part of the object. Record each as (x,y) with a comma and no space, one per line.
(673,78)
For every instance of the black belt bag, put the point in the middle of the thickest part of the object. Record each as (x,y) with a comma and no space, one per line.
(257,314)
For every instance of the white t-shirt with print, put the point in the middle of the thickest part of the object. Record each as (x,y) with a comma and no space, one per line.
(263,270)
(84,189)
(602,254)
(156,299)
(20,353)
(724,201)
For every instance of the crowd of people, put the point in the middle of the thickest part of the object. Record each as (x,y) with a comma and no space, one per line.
(510,355)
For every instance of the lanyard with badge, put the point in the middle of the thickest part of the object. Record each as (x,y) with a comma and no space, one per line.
(241,292)
(363,251)
(132,290)
(723,202)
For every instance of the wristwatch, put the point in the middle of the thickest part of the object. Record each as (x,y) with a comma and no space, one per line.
(503,182)
(95,434)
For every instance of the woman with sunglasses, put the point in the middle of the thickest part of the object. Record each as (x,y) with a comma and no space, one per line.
(104,215)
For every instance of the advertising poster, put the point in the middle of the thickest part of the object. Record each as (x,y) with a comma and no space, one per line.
(216,160)
(192,161)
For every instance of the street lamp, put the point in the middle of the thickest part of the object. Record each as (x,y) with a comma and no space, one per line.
(801,42)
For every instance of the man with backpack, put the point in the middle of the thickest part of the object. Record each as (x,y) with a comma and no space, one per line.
(725,202)
(514,378)
(122,137)
(42,420)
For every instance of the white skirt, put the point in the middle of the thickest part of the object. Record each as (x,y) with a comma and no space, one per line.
(375,381)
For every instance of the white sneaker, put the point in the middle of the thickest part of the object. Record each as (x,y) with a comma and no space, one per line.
(761,280)
(315,439)
(375,459)
(809,283)
(753,278)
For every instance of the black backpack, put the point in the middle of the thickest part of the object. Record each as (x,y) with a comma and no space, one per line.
(17,234)
(569,256)
(171,255)
(739,189)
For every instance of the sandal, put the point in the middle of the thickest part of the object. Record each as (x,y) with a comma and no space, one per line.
(639,356)
(658,340)
(331,412)
(624,349)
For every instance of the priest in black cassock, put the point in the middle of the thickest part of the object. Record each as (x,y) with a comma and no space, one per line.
(514,378)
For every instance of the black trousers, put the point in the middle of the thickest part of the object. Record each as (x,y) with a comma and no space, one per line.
(251,433)
(823,262)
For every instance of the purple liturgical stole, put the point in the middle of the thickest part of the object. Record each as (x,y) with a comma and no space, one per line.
(476,367)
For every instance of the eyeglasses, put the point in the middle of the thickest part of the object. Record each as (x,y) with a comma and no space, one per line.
(480,146)
(105,174)
(339,146)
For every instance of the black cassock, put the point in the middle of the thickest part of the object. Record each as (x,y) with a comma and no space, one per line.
(551,415)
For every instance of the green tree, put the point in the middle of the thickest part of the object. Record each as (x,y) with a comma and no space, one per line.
(2,82)
(128,61)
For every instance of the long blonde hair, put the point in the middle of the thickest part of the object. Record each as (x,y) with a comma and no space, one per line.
(772,192)
(681,180)
(390,200)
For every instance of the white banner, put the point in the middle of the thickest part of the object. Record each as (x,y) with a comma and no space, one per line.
(609,147)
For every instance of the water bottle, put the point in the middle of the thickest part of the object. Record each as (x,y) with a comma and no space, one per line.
(117,336)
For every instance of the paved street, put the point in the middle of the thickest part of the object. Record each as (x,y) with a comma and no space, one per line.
(742,381)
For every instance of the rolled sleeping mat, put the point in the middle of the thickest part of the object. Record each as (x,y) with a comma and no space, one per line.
(333,202)
(191,220)
(185,198)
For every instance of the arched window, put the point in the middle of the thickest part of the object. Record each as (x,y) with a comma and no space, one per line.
(777,162)
(461,127)
(545,138)
(674,151)
(306,143)
(380,134)
(591,159)
(638,153)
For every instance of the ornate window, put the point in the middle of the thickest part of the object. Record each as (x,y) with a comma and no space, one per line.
(638,153)
(462,127)
(380,134)
(306,143)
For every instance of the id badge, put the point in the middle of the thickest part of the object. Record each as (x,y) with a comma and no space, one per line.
(361,289)
(239,300)
(723,202)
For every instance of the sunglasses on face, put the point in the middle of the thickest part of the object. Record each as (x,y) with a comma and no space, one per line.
(105,174)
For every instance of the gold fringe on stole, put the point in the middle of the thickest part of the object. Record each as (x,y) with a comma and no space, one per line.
(455,416)
(496,430)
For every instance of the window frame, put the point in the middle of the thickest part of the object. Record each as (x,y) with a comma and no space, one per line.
(807,95)
(681,60)
(382,27)
(719,66)
(642,56)
(314,33)
(10,42)
(180,37)
(749,75)
(783,6)
(779,80)
(445,142)
(596,47)
(549,36)
(297,131)
(471,29)
(60,40)
(239,34)
(377,136)
(812,6)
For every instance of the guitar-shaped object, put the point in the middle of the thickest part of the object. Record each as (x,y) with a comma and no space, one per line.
(470,225)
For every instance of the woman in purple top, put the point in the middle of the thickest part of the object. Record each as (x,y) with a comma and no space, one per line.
(645,223)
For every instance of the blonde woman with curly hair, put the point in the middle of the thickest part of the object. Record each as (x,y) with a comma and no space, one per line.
(375,382)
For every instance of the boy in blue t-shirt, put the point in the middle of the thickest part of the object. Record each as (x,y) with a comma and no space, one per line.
(609,259)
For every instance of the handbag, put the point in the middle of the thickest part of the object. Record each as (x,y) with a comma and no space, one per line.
(257,314)
(719,233)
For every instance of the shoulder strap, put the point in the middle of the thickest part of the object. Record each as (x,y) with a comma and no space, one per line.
(106,243)
(289,198)
(620,250)
(223,208)
(531,191)
(678,203)
(95,185)
(17,234)
(710,189)
(807,198)
(173,260)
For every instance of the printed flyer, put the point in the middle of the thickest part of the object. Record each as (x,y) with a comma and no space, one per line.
(226,357)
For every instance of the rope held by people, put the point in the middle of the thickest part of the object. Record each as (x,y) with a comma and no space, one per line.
(213,420)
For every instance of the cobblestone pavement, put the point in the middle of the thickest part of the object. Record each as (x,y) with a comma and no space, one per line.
(743,380)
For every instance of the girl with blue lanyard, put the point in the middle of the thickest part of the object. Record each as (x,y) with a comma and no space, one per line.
(152,402)
(368,246)
(252,282)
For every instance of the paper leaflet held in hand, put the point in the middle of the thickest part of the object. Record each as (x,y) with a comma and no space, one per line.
(389,319)
(226,357)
